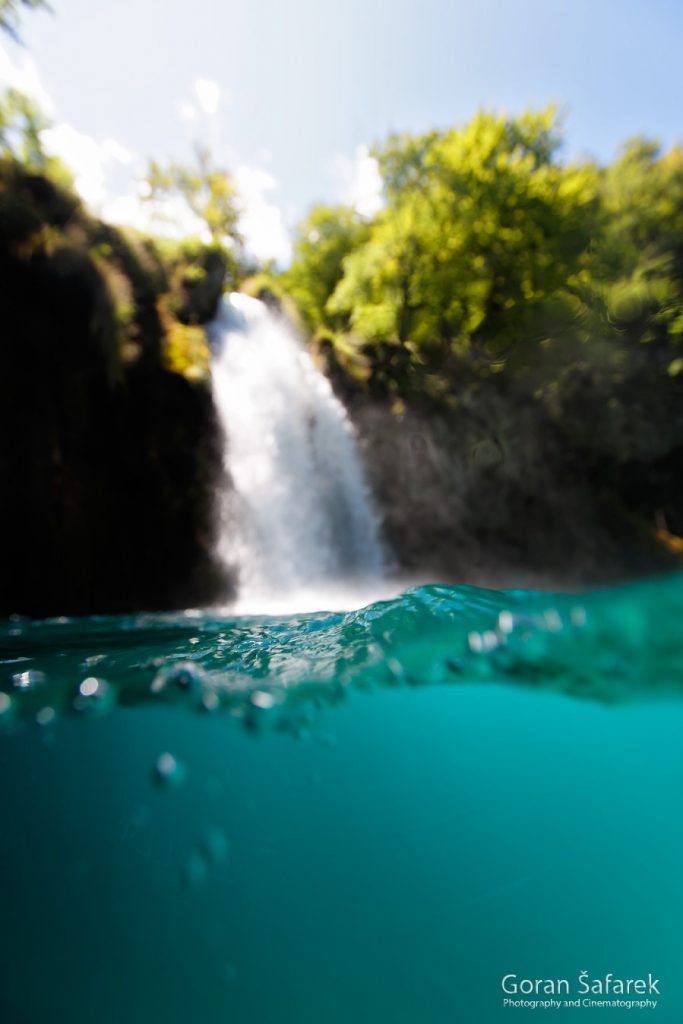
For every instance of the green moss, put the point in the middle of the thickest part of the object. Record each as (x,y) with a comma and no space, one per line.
(186,351)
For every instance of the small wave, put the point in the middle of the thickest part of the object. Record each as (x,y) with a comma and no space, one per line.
(613,645)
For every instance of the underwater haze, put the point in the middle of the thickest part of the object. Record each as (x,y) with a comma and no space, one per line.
(372,816)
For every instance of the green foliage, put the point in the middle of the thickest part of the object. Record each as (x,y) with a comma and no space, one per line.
(21,124)
(41,218)
(480,225)
(196,274)
(325,239)
(494,258)
(208,192)
(264,285)
(10,13)
(186,351)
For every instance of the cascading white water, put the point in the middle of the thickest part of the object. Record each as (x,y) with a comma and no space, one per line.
(297,514)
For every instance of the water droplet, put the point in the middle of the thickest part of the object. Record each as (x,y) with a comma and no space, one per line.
(168,771)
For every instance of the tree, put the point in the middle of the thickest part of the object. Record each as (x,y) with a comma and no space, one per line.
(481,224)
(21,122)
(10,13)
(322,243)
(207,191)
(21,125)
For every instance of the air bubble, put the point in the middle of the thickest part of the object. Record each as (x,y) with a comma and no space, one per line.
(95,696)
(46,716)
(259,711)
(262,699)
(395,670)
(183,677)
(578,616)
(474,643)
(506,622)
(552,620)
(210,700)
(481,643)
(168,771)
(5,706)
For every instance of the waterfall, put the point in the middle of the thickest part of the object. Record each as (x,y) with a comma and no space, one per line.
(297,515)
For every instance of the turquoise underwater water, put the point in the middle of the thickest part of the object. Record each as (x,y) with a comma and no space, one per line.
(345,818)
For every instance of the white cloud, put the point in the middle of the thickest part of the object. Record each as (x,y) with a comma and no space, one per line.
(108,176)
(186,112)
(261,222)
(359,181)
(95,164)
(23,75)
(170,217)
(208,95)
(114,150)
(129,210)
(92,163)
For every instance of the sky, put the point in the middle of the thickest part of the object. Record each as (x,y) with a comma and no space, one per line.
(291,94)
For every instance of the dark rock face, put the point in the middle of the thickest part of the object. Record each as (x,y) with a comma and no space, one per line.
(108,460)
(197,289)
(491,495)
